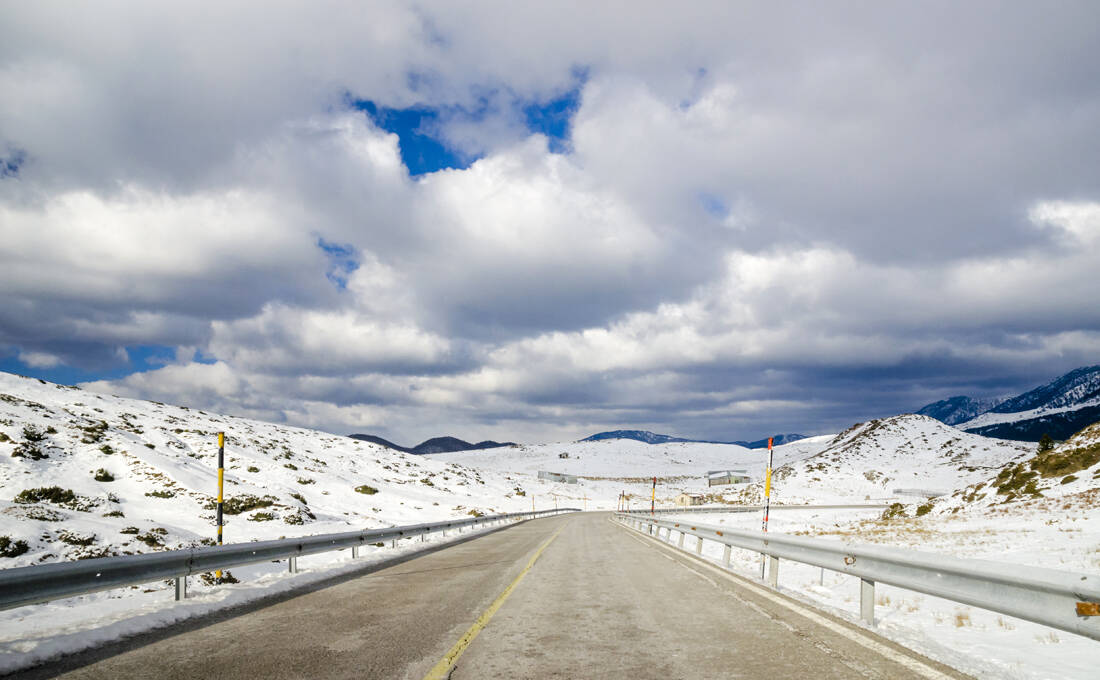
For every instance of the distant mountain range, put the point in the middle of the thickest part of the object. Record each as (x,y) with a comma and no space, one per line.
(653,438)
(434,445)
(1059,408)
(955,410)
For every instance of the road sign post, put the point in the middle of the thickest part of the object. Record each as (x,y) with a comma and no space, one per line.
(767,502)
(221,484)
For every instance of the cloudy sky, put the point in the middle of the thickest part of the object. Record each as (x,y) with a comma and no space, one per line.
(495,220)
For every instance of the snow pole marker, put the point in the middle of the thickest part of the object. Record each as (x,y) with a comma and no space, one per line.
(767,502)
(653,500)
(221,484)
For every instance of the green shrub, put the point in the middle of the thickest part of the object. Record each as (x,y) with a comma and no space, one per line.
(305,480)
(29,450)
(106,448)
(130,530)
(10,548)
(299,497)
(161,494)
(4,437)
(150,539)
(150,446)
(94,433)
(261,517)
(253,468)
(476,513)
(209,579)
(895,510)
(369,490)
(102,475)
(427,482)
(114,513)
(50,494)
(1069,478)
(1051,464)
(33,434)
(76,539)
(243,503)
(924,509)
(51,430)
(290,466)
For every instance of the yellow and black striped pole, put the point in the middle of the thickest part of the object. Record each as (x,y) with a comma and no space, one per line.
(767,501)
(221,483)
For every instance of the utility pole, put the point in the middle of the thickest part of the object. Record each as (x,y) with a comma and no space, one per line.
(767,501)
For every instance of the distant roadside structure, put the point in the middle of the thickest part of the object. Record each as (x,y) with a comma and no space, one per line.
(720,477)
(923,493)
(557,477)
(689,499)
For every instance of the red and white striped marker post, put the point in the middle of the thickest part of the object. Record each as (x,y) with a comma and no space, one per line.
(767,501)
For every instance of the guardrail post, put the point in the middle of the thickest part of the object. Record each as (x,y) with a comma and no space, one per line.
(681,545)
(293,565)
(773,571)
(867,601)
(726,556)
(354,552)
(181,588)
(699,546)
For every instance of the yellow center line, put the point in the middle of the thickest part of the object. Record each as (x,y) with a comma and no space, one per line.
(442,669)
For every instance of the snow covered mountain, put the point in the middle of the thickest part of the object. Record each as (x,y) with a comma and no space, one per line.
(1059,408)
(88,475)
(955,410)
(873,460)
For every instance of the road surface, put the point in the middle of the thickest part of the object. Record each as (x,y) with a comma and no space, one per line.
(572,596)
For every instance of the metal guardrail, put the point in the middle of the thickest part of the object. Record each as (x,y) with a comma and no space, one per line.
(748,508)
(41,583)
(1064,600)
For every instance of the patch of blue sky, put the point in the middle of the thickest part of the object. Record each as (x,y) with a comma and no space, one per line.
(714,205)
(342,261)
(139,358)
(554,118)
(420,129)
(11,163)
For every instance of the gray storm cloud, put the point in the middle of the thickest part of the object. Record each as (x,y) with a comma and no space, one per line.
(764,218)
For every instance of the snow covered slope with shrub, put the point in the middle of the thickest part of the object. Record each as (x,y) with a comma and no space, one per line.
(1061,479)
(872,460)
(86,475)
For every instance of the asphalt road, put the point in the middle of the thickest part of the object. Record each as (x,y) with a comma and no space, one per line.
(600,601)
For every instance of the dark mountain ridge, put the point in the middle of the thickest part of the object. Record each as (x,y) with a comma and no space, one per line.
(1059,408)
(654,438)
(433,445)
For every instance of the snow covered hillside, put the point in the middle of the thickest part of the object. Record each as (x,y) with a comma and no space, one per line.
(680,464)
(88,475)
(870,461)
(1064,479)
